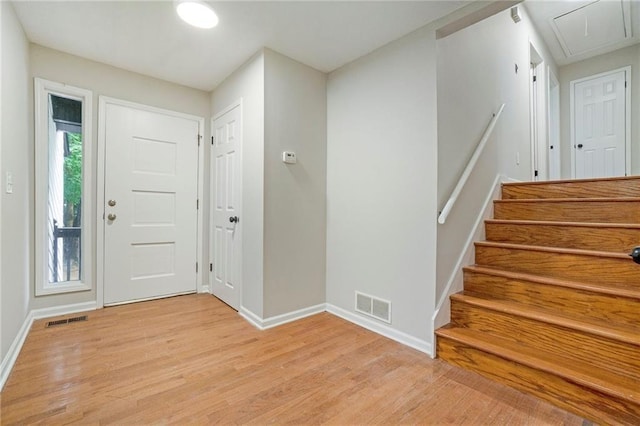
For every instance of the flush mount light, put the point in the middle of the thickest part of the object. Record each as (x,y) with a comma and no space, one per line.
(196,13)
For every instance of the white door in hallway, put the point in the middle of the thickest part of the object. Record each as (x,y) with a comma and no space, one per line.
(150,195)
(226,213)
(599,112)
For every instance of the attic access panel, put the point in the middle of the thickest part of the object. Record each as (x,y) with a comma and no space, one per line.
(593,26)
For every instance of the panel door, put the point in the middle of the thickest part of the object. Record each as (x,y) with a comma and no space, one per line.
(150,208)
(226,225)
(599,118)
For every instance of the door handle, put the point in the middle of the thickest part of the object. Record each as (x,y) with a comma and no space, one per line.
(580,146)
(234,219)
(111,216)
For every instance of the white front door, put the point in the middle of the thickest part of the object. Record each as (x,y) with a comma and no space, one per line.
(599,115)
(150,195)
(226,220)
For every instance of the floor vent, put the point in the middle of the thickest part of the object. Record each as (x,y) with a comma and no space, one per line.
(66,321)
(373,307)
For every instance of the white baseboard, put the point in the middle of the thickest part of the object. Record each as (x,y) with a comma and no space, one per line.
(205,289)
(63,310)
(385,330)
(263,324)
(14,350)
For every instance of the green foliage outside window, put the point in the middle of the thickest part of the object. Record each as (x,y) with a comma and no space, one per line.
(73,180)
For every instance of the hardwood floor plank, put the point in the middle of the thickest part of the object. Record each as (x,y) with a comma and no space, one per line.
(193,360)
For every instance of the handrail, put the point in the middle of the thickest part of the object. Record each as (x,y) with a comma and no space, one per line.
(442,217)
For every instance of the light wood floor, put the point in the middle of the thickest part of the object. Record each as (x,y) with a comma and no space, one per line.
(193,360)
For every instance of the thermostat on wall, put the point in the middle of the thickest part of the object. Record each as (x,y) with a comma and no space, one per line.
(289,157)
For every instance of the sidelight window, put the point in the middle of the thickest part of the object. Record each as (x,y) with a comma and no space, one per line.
(63,214)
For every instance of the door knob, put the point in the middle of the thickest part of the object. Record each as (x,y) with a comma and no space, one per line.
(580,145)
(234,219)
(112,203)
(111,216)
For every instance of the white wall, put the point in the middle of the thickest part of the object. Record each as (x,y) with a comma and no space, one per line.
(294,194)
(105,80)
(2,353)
(603,63)
(381,181)
(476,74)
(247,83)
(16,156)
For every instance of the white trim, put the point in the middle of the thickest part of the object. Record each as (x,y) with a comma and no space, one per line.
(205,289)
(384,330)
(42,89)
(200,214)
(14,350)
(100,202)
(100,210)
(264,324)
(369,324)
(553,83)
(455,282)
(63,310)
(627,136)
(10,358)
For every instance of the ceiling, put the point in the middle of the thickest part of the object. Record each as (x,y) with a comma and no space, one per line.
(575,30)
(147,36)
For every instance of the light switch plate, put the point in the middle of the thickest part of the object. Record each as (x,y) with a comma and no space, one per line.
(9,183)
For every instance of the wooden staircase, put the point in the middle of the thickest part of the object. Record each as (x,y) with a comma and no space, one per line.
(552,305)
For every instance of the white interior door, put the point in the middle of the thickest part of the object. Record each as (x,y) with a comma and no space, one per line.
(599,112)
(533,119)
(226,223)
(553,97)
(538,115)
(150,191)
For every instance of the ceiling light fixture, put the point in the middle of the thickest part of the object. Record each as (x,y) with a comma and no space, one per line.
(196,13)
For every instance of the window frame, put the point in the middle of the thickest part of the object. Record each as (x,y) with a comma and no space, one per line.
(42,89)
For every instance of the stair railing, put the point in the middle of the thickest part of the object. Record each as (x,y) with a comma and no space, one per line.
(442,217)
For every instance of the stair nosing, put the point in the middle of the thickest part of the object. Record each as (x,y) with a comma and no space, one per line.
(552,281)
(545,317)
(561,181)
(571,375)
(569,199)
(561,250)
(564,224)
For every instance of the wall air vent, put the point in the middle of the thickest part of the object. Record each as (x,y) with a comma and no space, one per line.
(374,307)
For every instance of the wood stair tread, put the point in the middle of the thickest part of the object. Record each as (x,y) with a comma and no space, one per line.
(625,335)
(559,250)
(620,291)
(551,306)
(565,200)
(578,372)
(559,223)
(571,181)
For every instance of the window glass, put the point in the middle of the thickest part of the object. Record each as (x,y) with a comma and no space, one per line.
(64,219)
